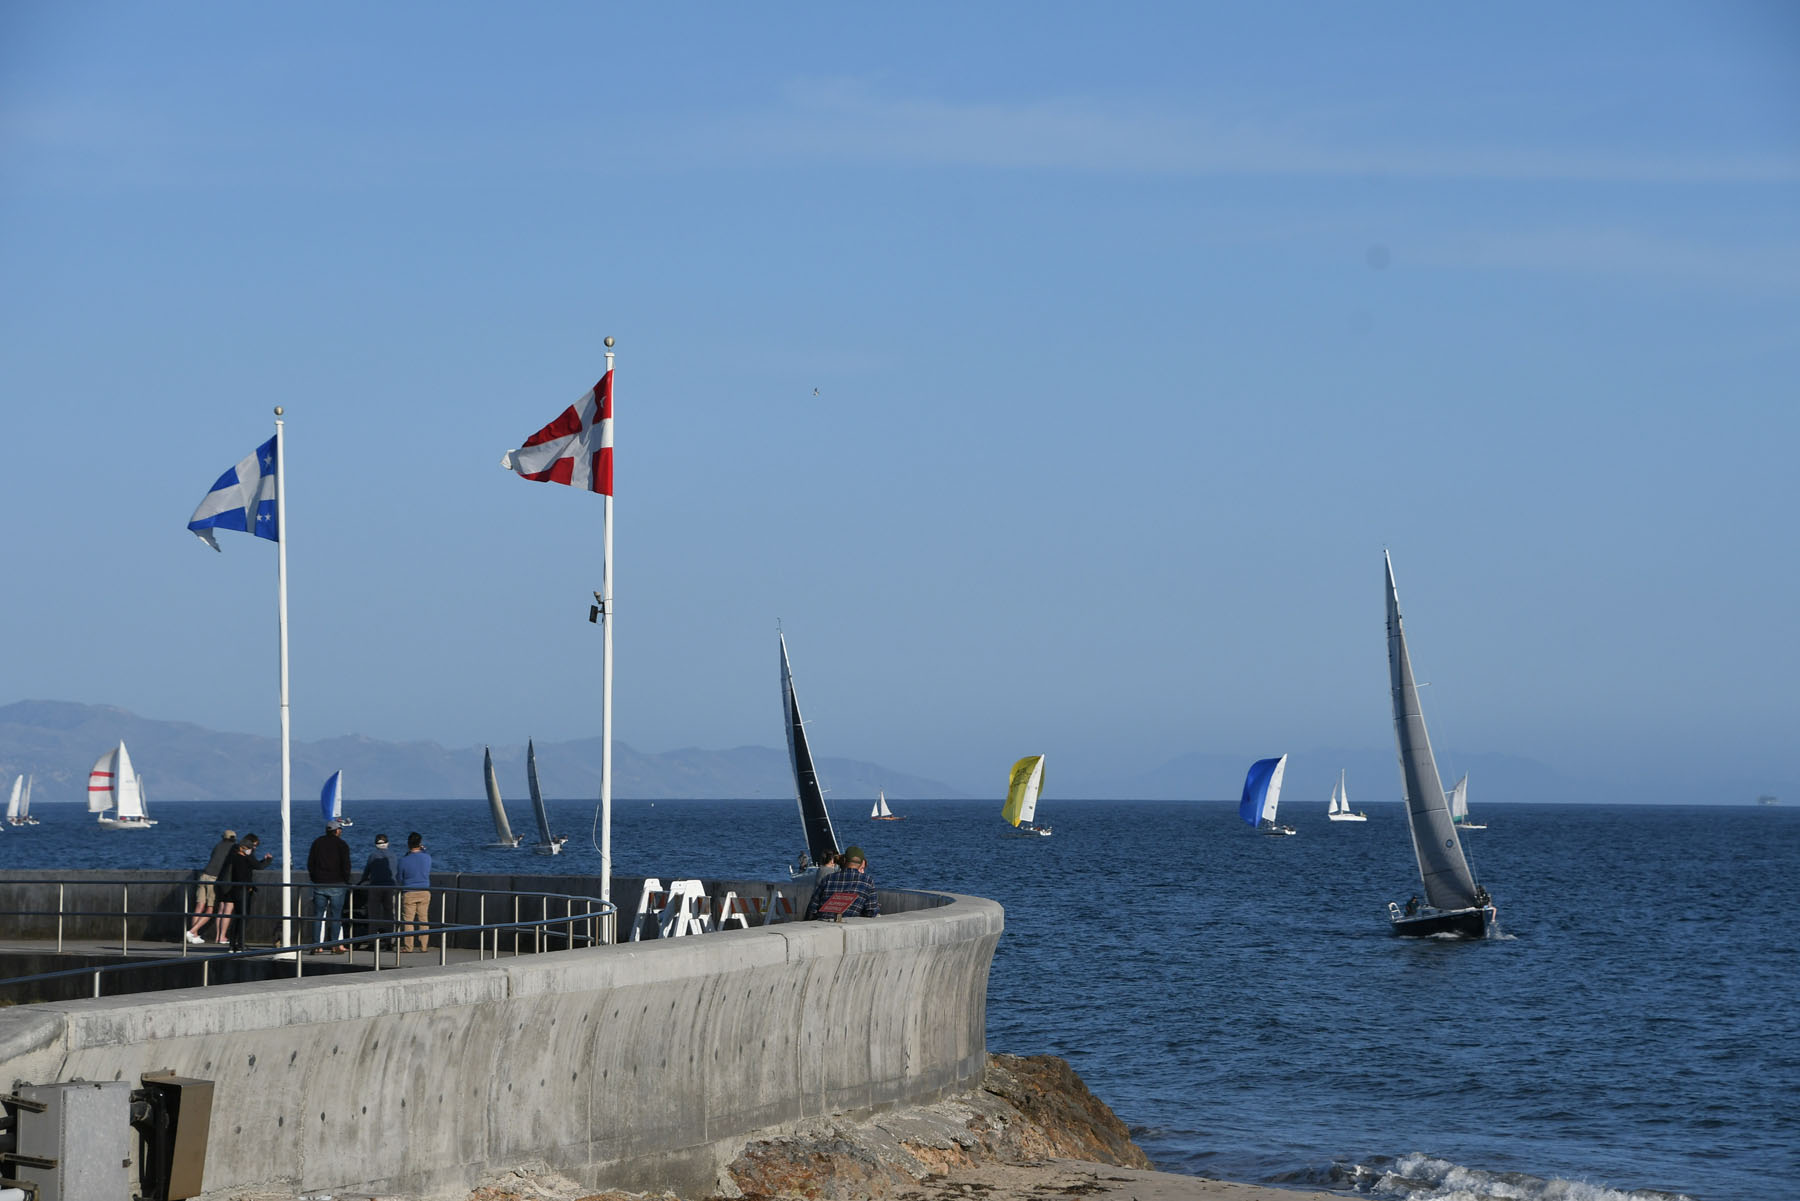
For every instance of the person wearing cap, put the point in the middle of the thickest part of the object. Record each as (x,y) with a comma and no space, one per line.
(847,892)
(380,877)
(328,867)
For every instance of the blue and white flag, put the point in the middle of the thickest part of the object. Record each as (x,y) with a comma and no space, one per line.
(243,499)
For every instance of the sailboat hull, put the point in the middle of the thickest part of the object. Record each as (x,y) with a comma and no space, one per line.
(1349,817)
(1480,922)
(1026,832)
(126,823)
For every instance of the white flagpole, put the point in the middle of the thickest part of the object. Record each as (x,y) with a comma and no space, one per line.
(606,642)
(281,532)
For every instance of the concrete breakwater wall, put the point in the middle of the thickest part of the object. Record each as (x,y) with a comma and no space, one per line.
(638,1066)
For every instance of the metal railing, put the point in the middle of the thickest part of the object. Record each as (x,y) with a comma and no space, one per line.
(533,927)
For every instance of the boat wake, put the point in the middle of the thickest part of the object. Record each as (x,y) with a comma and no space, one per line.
(1420,1177)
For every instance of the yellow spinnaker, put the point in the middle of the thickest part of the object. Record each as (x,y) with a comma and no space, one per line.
(1022,789)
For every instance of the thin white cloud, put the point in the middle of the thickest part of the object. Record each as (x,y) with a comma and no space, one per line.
(849,121)
(1617,251)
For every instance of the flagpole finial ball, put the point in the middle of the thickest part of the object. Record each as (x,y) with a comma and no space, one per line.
(277,410)
(609,341)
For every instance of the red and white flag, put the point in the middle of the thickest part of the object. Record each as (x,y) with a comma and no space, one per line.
(576,448)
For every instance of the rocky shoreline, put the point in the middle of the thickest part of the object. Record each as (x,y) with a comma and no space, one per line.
(1032,1131)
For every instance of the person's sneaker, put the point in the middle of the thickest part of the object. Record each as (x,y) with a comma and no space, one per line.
(193,938)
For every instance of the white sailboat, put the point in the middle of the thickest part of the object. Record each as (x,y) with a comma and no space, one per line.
(881,812)
(331,800)
(1454,902)
(1340,803)
(18,807)
(815,819)
(1262,793)
(547,844)
(1023,785)
(503,835)
(1459,806)
(114,788)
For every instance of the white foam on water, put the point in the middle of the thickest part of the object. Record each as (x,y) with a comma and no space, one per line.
(1420,1177)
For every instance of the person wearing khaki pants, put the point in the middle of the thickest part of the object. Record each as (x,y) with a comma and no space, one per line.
(415,893)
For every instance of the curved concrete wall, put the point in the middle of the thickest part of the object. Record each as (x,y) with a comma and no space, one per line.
(641,1066)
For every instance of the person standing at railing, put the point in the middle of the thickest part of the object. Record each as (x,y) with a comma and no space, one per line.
(328,867)
(236,890)
(380,876)
(415,893)
(206,896)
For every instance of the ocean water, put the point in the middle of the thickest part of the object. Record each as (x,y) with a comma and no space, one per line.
(1238,1000)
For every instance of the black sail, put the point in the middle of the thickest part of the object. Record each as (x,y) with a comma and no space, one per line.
(821,842)
(1449,884)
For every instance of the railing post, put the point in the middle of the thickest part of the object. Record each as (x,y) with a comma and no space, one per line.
(515,928)
(59,916)
(481,938)
(124,926)
(96,982)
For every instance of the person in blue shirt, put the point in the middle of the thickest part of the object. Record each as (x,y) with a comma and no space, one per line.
(415,893)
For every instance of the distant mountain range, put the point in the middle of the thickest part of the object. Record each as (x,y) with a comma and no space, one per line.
(58,741)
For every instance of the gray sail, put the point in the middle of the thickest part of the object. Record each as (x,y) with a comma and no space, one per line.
(502,830)
(537,797)
(821,840)
(1442,869)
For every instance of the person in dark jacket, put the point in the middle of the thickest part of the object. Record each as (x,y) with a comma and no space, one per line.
(205,895)
(380,879)
(328,867)
(236,889)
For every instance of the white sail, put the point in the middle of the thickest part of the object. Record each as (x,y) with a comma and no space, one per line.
(1338,803)
(1459,800)
(881,806)
(128,796)
(1273,796)
(25,805)
(102,780)
(503,835)
(13,812)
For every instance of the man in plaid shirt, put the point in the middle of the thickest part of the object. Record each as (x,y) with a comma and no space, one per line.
(845,893)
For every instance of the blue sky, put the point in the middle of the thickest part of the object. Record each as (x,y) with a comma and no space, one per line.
(1138,333)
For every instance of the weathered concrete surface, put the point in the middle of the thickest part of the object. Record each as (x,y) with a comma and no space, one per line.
(1032,1131)
(643,1066)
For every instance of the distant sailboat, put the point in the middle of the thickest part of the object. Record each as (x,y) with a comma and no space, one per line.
(1340,803)
(18,808)
(1459,806)
(547,844)
(503,835)
(1454,903)
(114,788)
(815,819)
(1262,792)
(331,800)
(1023,785)
(881,812)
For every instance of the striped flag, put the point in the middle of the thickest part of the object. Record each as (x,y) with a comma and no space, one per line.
(576,448)
(243,499)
